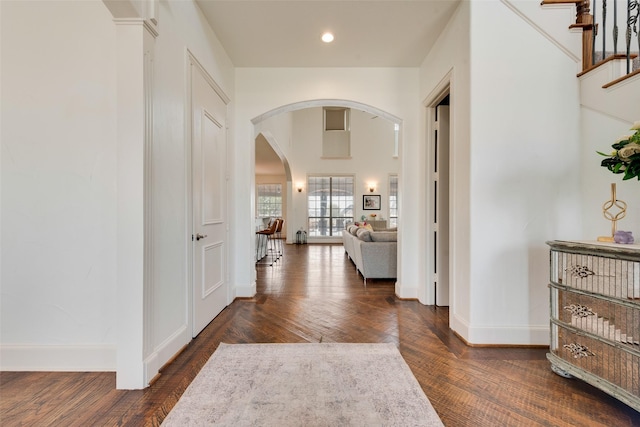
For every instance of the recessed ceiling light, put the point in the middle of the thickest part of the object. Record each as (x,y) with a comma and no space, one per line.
(327,37)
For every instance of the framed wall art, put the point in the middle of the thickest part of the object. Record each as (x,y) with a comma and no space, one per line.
(371,202)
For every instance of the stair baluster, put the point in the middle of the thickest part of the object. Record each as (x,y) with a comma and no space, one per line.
(633,11)
(594,33)
(604,27)
(594,24)
(615,27)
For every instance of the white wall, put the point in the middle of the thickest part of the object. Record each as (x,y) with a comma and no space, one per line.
(181,26)
(552,21)
(372,142)
(261,90)
(529,116)
(59,170)
(449,60)
(58,186)
(607,114)
(516,174)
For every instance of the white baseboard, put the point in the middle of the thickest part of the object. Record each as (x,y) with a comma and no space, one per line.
(458,325)
(406,292)
(501,335)
(66,358)
(248,291)
(165,352)
(519,335)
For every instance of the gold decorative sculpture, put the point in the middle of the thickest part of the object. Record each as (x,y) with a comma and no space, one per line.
(606,207)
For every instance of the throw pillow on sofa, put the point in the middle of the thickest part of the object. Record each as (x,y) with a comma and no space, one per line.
(364,234)
(364,225)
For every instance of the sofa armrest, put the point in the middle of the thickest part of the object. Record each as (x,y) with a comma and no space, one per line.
(379,259)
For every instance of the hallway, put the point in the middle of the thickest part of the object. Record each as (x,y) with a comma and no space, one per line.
(313,294)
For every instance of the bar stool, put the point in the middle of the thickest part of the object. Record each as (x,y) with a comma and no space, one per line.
(267,235)
(262,240)
(278,237)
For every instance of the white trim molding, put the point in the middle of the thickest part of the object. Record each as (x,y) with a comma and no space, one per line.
(524,335)
(166,351)
(59,358)
(135,139)
(325,103)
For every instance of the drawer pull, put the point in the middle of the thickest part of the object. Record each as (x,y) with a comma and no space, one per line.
(579,310)
(581,271)
(578,351)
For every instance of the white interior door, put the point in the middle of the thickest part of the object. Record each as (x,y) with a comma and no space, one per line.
(441,205)
(208,166)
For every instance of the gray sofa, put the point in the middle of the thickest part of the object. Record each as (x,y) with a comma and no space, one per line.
(374,253)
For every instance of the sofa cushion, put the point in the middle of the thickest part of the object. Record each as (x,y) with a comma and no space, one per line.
(384,236)
(364,235)
(353,229)
(365,225)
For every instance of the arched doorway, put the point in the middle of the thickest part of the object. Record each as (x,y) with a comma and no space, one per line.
(271,168)
(268,127)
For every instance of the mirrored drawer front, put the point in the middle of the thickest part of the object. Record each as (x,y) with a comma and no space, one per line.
(606,276)
(614,322)
(599,358)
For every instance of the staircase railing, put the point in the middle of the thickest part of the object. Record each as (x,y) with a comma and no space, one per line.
(609,17)
(602,22)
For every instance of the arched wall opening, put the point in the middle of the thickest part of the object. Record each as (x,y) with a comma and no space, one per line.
(277,170)
(263,129)
(325,103)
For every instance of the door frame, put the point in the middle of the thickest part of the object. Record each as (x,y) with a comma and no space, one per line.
(441,90)
(440,175)
(192,61)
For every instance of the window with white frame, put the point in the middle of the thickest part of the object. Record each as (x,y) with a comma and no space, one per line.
(396,139)
(330,204)
(393,200)
(269,201)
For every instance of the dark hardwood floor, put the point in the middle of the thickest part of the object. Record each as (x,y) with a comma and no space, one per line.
(314,295)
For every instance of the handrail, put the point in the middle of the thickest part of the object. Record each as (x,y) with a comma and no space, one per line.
(594,20)
(607,59)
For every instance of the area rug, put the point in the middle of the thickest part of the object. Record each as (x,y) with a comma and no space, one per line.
(310,384)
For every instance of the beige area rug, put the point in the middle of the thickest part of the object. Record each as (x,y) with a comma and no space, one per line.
(311,384)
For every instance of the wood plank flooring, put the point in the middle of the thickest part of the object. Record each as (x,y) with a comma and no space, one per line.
(313,294)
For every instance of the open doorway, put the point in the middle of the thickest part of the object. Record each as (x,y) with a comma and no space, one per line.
(439,198)
(273,184)
(272,195)
(363,145)
(441,202)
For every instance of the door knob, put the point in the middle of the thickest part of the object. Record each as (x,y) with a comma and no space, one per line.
(200,236)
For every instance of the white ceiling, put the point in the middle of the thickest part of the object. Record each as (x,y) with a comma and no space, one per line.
(286,33)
